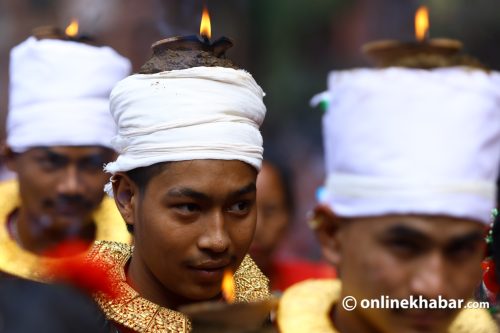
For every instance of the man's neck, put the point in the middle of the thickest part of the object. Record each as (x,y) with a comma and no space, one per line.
(350,321)
(149,287)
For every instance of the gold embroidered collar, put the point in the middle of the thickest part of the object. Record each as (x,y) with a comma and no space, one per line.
(19,262)
(143,316)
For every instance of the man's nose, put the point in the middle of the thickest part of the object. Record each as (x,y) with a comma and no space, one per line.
(431,279)
(70,182)
(215,238)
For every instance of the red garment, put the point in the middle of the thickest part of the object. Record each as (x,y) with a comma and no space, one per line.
(287,273)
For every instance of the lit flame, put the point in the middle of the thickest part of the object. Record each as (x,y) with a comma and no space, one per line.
(421,23)
(205,27)
(72,29)
(228,286)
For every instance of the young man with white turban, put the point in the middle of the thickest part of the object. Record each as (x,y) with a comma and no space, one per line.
(58,139)
(185,179)
(412,156)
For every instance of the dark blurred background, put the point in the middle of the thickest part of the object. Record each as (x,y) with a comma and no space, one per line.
(288,45)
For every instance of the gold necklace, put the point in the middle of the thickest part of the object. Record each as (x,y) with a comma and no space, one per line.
(143,316)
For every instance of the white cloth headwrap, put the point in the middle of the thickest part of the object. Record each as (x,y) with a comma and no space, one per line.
(59,94)
(189,114)
(409,141)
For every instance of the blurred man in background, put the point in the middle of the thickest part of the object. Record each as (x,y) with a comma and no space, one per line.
(412,158)
(59,133)
(274,214)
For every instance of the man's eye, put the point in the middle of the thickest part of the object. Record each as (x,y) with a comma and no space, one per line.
(241,207)
(404,247)
(187,208)
(50,163)
(464,251)
(92,166)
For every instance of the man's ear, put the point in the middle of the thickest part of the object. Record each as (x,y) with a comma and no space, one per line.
(126,195)
(326,226)
(9,158)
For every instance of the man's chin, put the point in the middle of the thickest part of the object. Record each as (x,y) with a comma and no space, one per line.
(422,321)
(66,224)
(201,292)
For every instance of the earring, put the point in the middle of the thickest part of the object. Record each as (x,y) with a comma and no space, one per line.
(313,221)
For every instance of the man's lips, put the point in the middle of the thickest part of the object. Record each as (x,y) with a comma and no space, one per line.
(210,271)
(69,211)
(210,265)
(426,318)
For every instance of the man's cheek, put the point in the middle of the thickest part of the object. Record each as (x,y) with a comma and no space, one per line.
(379,269)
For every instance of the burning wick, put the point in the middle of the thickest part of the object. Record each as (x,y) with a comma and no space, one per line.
(228,288)
(387,53)
(200,42)
(205,26)
(422,24)
(72,29)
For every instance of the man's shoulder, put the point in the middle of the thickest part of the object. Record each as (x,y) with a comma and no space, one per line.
(314,285)
(474,321)
(11,186)
(14,260)
(9,197)
(308,303)
(304,307)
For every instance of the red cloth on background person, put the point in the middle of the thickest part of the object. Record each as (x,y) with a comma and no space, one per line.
(285,273)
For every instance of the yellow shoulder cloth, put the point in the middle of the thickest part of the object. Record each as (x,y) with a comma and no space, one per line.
(305,307)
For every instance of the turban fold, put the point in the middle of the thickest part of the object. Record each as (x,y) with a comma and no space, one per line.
(189,114)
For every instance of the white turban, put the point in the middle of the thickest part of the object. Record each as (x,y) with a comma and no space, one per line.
(409,141)
(189,114)
(59,94)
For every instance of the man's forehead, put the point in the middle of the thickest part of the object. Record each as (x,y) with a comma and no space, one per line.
(203,192)
(428,226)
(72,150)
(204,176)
(196,172)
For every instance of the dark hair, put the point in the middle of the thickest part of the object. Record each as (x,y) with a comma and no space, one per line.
(27,306)
(495,246)
(141,178)
(285,179)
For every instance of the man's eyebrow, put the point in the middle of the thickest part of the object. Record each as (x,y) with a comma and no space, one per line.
(402,231)
(180,192)
(244,190)
(52,154)
(472,237)
(96,157)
